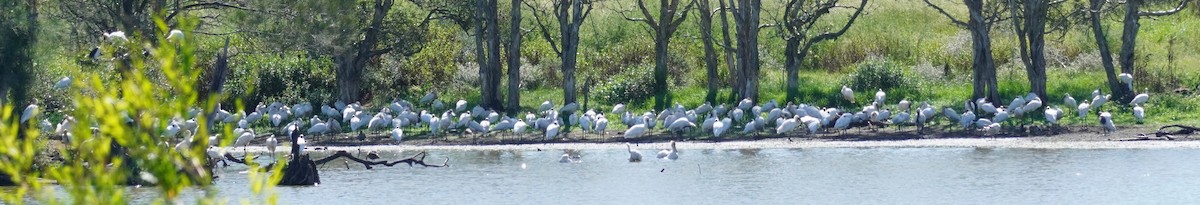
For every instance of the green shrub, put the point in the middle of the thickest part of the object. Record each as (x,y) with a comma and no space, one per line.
(281,78)
(634,86)
(878,74)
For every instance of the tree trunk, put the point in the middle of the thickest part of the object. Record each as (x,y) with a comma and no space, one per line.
(1031,36)
(350,63)
(514,60)
(730,52)
(492,101)
(1102,44)
(660,71)
(792,65)
(349,76)
(481,55)
(1123,94)
(747,19)
(983,64)
(710,52)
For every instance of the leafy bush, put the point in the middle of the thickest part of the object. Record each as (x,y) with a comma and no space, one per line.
(634,85)
(878,74)
(285,78)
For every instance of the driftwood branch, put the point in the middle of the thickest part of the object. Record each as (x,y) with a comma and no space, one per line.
(1164,133)
(418,158)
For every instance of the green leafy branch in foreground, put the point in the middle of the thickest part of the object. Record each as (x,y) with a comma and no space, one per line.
(119,137)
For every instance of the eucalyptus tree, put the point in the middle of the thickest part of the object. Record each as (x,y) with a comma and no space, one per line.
(1133,13)
(798,27)
(982,15)
(568,15)
(351,33)
(664,25)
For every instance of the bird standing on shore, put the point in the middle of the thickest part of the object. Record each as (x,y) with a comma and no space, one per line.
(271,143)
(848,94)
(1107,123)
(1139,113)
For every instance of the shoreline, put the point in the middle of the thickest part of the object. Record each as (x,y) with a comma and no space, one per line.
(1080,137)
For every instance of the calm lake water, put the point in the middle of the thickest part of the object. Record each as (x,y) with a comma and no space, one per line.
(767,176)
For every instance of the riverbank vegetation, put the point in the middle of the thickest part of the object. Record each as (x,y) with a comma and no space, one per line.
(120,74)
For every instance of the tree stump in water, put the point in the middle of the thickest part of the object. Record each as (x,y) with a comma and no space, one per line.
(300,171)
(5,180)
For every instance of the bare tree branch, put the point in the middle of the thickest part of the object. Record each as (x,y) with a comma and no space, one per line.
(948,16)
(1182,3)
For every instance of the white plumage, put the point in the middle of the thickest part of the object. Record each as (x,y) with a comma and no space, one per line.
(671,154)
(30,111)
(1139,113)
(552,131)
(634,155)
(847,94)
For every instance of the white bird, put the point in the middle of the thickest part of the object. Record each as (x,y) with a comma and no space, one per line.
(637,130)
(901,118)
(1033,104)
(348,113)
(570,107)
(244,139)
(174,35)
(986,106)
(171,131)
(634,155)
(880,96)
(847,94)
(1001,115)
(966,119)
(429,97)
(271,144)
(545,106)
(618,109)
(1052,115)
(116,35)
(843,122)
(745,104)
(951,113)
(750,127)
(601,124)
(1083,109)
(63,83)
(460,106)
(1107,123)
(1016,105)
(300,142)
(1139,113)
(787,126)
(1099,101)
(1070,101)
(671,154)
(46,126)
(1140,99)
(680,124)
(519,127)
(397,134)
(566,158)
(1127,79)
(721,126)
(355,122)
(318,128)
(552,131)
(30,111)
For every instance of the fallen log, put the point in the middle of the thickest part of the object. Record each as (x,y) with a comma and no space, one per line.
(418,158)
(1183,130)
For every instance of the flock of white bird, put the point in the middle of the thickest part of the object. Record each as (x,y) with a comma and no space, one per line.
(551,120)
